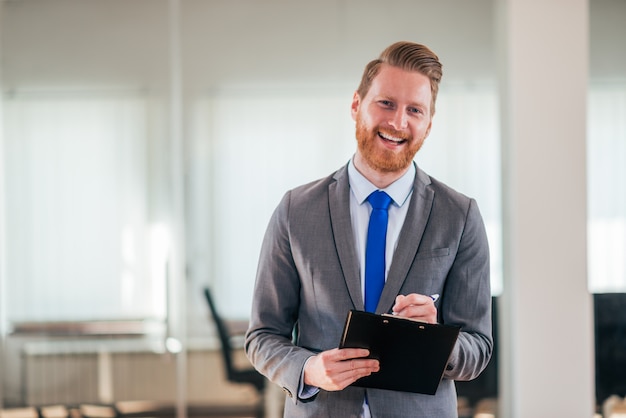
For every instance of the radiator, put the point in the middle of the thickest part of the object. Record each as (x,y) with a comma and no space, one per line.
(72,373)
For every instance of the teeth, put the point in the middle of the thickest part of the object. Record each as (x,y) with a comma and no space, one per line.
(391,138)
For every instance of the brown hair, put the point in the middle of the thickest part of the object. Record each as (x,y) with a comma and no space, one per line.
(408,56)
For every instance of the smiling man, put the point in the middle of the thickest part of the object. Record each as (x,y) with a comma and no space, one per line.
(393,118)
(381,235)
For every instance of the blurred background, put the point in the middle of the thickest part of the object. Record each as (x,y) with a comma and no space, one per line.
(145,143)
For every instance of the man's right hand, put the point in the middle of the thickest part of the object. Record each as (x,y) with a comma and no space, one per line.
(338,368)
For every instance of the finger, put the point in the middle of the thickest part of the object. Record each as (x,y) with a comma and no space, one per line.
(422,313)
(351,371)
(350,353)
(355,370)
(360,365)
(413,299)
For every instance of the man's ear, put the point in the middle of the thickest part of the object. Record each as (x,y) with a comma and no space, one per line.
(356,103)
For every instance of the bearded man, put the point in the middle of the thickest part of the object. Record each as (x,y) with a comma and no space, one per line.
(315,264)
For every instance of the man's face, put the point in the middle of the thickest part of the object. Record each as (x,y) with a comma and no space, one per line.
(393,119)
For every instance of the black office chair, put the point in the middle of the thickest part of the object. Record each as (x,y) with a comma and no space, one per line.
(236,375)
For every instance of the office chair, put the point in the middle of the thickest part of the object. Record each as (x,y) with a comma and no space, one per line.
(233,374)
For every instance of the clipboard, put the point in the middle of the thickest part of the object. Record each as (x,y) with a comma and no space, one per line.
(413,355)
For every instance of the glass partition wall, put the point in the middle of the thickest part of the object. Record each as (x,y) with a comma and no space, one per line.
(91,204)
(145,144)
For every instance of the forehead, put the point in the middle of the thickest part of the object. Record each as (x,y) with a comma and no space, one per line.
(399,84)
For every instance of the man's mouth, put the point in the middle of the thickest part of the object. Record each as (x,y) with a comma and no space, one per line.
(391,138)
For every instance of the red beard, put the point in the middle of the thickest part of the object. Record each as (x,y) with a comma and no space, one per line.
(380,158)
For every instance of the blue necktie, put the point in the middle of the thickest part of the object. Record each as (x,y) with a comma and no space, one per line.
(375,249)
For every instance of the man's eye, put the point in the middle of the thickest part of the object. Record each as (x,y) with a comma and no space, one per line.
(414,110)
(386,103)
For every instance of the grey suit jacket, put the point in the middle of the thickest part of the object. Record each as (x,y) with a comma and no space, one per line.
(308,279)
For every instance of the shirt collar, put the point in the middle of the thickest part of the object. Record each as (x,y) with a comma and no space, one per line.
(399,190)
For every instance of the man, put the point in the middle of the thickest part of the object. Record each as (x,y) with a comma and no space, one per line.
(313,266)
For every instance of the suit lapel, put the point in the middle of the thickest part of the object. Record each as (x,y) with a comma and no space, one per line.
(339,204)
(409,240)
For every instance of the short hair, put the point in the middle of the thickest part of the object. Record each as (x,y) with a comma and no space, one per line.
(408,56)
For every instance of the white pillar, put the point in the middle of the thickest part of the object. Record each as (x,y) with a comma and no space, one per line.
(546,335)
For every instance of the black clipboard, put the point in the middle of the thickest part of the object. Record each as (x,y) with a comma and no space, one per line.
(413,355)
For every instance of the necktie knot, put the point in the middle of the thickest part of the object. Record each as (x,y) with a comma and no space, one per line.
(379,200)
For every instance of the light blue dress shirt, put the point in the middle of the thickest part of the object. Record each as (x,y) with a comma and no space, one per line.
(360,189)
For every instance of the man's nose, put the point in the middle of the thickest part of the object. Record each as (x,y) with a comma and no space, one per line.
(399,120)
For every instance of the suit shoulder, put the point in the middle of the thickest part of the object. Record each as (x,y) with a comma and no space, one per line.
(312,187)
(427,181)
(448,196)
(445,190)
(315,189)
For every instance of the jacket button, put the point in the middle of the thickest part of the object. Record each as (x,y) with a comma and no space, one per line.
(288,392)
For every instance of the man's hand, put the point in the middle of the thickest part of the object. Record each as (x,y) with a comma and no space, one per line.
(417,307)
(338,368)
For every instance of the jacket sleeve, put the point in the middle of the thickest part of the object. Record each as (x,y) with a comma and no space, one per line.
(273,320)
(467,301)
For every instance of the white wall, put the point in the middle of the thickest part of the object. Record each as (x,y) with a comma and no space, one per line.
(77,43)
(69,42)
